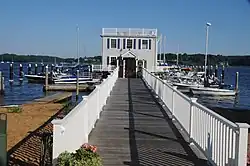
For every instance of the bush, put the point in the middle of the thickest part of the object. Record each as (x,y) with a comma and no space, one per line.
(84,156)
(15,110)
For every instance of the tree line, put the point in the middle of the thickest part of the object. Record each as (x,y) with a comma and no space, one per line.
(186,59)
(46,59)
(198,59)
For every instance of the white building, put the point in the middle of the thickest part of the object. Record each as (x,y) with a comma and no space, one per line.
(132,45)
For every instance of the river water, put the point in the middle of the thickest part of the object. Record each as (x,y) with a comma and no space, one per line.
(26,92)
(20,93)
(241,101)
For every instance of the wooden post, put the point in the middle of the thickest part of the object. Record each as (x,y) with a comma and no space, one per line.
(20,72)
(223,74)
(11,73)
(46,77)
(1,83)
(42,68)
(89,71)
(237,83)
(29,69)
(211,70)
(216,71)
(35,69)
(77,84)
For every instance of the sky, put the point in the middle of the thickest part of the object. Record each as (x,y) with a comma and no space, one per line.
(48,27)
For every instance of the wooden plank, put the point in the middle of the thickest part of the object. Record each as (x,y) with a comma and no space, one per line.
(69,87)
(134,130)
(60,96)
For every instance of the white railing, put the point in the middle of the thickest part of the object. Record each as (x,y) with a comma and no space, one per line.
(73,130)
(223,142)
(103,67)
(129,32)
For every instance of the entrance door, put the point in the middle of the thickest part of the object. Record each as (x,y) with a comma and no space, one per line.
(130,67)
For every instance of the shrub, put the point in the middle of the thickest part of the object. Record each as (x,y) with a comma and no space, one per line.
(84,156)
(15,110)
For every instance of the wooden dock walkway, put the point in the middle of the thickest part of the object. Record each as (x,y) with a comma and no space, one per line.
(60,96)
(134,130)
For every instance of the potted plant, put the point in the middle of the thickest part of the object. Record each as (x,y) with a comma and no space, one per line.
(86,155)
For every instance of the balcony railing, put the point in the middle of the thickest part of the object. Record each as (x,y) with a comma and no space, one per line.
(129,32)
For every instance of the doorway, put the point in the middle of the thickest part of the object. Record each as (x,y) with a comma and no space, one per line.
(130,67)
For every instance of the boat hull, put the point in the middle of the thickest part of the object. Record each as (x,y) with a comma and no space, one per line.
(212,91)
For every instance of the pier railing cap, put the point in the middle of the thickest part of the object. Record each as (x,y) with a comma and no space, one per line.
(193,99)
(243,125)
(56,122)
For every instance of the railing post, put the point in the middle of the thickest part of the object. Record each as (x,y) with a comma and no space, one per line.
(173,101)
(98,110)
(86,122)
(191,118)
(242,144)
(58,132)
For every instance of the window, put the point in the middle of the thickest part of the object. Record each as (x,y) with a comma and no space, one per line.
(134,43)
(108,43)
(149,44)
(118,43)
(129,43)
(139,44)
(113,43)
(144,44)
(124,43)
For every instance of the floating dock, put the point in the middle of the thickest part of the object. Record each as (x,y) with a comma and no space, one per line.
(69,87)
(60,96)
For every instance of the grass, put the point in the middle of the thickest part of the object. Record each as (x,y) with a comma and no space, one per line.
(15,110)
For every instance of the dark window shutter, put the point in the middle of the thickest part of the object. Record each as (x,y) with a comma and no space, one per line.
(124,43)
(149,44)
(139,44)
(107,60)
(134,43)
(108,42)
(118,43)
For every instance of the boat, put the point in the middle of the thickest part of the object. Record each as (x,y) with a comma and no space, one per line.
(92,81)
(212,91)
(40,78)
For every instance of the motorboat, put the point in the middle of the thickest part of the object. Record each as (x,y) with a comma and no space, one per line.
(212,91)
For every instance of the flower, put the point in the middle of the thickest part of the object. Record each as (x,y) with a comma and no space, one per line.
(89,147)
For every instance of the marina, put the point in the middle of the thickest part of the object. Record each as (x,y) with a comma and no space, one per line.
(135,99)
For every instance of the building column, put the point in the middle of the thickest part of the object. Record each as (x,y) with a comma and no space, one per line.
(136,67)
(123,68)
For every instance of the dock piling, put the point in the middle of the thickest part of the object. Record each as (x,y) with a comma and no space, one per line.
(237,83)
(216,71)
(77,84)
(42,68)
(35,69)
(46,78)
(29,69)
(1,83)
(11,74)
(223,74)
(20,72)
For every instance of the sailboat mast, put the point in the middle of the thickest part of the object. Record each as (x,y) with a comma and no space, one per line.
(77,43)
